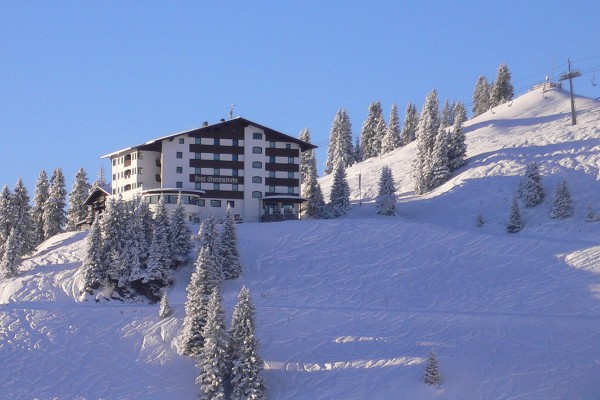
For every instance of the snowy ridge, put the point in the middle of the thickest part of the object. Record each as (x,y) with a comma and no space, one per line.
(350,308)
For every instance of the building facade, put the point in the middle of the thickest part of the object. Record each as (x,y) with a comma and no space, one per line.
(248,167)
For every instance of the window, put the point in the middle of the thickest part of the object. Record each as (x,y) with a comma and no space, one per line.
(181,140)
(257,195)
(290,175)
(198,171)
(235,142)
(196,220)
(217,172)
(256,164)
(235,172)
(290,189)
(140,155)
(216,186)
(198,156)
(272,145)
(271,174)
(179,170)
(217,142)
(257,136)
(198,140)
(230,203)
(257,179)
(234,157)
(127,188)
(198,186)
(288,146)
(271,189)
(257,150)
(215,203)
(179,154)
(216,156)
(271,159)
(290,160)
(114,162)
(201,202)
(114,177)
(179,185)
(234,187)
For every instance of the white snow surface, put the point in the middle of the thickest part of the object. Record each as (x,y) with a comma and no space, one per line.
(350,308)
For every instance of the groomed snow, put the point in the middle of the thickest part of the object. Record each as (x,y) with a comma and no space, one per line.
(350,308)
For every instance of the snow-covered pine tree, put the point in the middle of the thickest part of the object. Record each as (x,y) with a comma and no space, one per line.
(212,360)
(112,228)
(427,131)
(372,130)
(411,121)
(165,309)
(54,208)
(40,196)
(457,147)
(101,180)
(432,371)
(146,221)
(243,351)
(340,142)
(590,215)
(386,197)
(11,259)
(515,223)
(6,214)
(77,211)
(135,250)
(93,267)
(501,90)
(204,279)
(562,207)
(23,220)
(479,221)
(446,116)
(228,248)
(481,96)
(339,198)
(530,187)
(308,162)
(358,155)
(181,243)
(159,257)
(440,171)
(311,191)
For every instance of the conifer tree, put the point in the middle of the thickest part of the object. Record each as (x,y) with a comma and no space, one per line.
(481,97)
(11,259)
(340,142)
(440,171)
(6,214)
(93,267)
(432,370)
(40,196)
(246,362)
(386,197)
(159,257)
(146,222)
(590,215)
(501,90)
(562,207)
(457,148)
(411,121)
(311,191)
(372,131)
(515,223)
(479,221)
(101,180)
(77,211)
(212,361)
(204,279)
(358,155)
(530,187)
(135,250)
(340,192)
(181,244)
(165,309)
(427,131)
(230,254)
(112,228)
(54,208)
(22,219)
(446,116)
(308,162)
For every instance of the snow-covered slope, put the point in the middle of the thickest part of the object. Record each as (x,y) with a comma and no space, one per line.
(350,308)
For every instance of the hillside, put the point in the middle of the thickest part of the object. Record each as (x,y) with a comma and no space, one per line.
(350,308)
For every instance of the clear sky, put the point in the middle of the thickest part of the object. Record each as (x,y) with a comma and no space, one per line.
(79,79)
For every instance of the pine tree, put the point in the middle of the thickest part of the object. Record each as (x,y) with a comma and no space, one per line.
(372,132)
(181,243)
(440,171)
(562,207)
(515,223)
(228,248)
(77,211)
(135,249)
(481,97)
(308,162)
(590,215)
(501,90)
(54,208)
(6,214)
(411,121)
(40,196)
(386,197)
(530,187)
(159,257)
(101,180)
(22,219)
(246,362)
(457,148)
(204,279)
(11,259)
(113,233)
(311,191)
(93,267)
(479,221)
(358,155)
(427,131)
(446,116)
(432,371)
(339,199)
(165,309)
(340,142)
(212,361)
(146,222)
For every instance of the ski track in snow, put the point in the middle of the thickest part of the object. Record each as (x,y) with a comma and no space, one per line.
(350,308)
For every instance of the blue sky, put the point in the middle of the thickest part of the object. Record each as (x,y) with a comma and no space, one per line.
(82,79)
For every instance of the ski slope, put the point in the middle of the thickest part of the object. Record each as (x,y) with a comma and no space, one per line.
(350,308)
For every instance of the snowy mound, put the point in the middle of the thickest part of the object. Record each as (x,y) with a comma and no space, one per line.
(351,308)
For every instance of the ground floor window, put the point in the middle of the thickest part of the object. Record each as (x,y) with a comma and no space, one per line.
(230,203)
(215,203)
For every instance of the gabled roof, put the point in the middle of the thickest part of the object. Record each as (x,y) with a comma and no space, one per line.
(95,192)
(155,144)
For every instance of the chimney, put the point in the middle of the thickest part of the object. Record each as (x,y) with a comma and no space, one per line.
(205,123)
